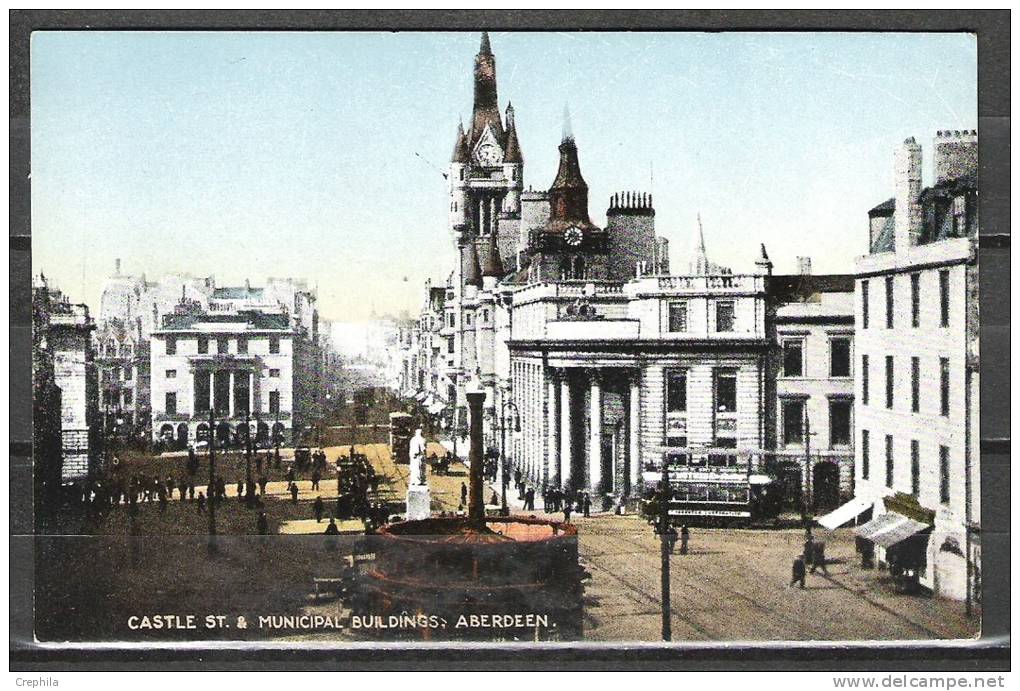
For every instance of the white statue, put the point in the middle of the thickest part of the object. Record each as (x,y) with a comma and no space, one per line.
(416,457)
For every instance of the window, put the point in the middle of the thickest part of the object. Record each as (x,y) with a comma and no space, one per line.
(890,378)
(274,373)
(242,345)
(726,392)
(449,344)
(171,374)
(171,345)
(944,474)
(676,392)
(128,397)
(864,304)
(203,345)
(222,346)
(865,453)
(839,422)
(889,302)
(839,357)
(724,315)
(274,402)
(274,344)
(793,422)
(864,380)
(171,403)
(467,320)
(915,300)
(944,383)
(451,319)
(915,384)
(944,297)
(129,372)
(915,467)
(678,316)
(959,216)
(793,358)
(889,461)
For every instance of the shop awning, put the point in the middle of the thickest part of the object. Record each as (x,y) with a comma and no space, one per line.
(889,529)
(849,511)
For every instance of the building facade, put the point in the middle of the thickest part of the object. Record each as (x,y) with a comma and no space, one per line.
(916,341)
(66,375)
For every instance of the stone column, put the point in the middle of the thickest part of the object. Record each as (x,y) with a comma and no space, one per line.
(566,448)
(634,433)
(230,395)
(476,501)
(552,418)
(595,457)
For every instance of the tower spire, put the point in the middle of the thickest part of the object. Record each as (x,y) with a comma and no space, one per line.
(486,107)
(701,261)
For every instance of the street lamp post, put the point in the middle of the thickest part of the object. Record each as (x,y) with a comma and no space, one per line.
(211,489)
(667,539)
(515,420)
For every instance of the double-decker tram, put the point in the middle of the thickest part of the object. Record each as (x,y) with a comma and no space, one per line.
(718,486)
(401,431)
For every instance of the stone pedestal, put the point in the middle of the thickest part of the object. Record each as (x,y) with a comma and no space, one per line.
(419,502)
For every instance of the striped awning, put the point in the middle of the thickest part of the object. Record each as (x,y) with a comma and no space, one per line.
(889,529)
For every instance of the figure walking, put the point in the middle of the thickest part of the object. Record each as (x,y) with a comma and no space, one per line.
(798,571)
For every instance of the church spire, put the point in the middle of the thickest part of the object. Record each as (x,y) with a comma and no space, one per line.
(701,265)
(472,270)
(513,147)
(486,107)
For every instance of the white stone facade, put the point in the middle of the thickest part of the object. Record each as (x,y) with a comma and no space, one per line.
(917,421)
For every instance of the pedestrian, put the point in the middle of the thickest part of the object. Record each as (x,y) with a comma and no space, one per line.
(587,505)
(201,502)
(798,571)
(293,492)
(191,490)
(290,474)
(463,494)
(240,489)
(495,499)
(809,547)
(818,559)
(529,499)
(262,524)
(567,508)
(258,462)
(170,484)
(316,476)
(162,502)
(262,485)
(867,549)
(318,509)
(685,535)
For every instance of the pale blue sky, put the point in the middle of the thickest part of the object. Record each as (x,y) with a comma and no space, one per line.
(247,155)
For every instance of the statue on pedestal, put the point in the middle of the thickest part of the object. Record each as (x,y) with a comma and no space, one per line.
(416,459)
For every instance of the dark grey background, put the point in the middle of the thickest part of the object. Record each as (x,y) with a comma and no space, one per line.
(991,652)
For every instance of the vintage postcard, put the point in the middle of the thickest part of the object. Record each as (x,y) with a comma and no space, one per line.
(349,337)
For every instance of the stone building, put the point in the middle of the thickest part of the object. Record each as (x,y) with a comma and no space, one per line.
(232,363)
(811,387)
(133,308)
(65,376)
(916,351)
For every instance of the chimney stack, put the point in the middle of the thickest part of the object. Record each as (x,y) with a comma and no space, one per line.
(908,195)
(956,154)
(803,264)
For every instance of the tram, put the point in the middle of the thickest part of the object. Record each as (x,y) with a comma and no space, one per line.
(401,431)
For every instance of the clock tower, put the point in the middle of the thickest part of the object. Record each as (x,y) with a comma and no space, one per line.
(569,246)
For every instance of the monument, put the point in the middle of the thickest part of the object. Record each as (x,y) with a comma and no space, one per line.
(419,498)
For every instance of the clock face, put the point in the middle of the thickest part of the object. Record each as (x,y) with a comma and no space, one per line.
(488,154)
(573,236)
